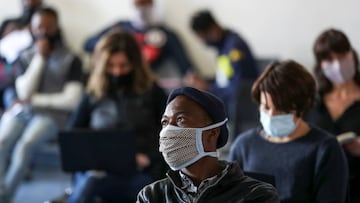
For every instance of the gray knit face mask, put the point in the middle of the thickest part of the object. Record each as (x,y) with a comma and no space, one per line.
(182,147)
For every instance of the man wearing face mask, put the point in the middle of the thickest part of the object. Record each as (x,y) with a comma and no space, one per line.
(45,94)
(194,127)
(307,162)
(235,61)
(157,41)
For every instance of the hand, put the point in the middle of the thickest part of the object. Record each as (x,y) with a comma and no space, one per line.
(43,47)
(196,81)
(353,147)
(142,160)
(17,107)
(20,102)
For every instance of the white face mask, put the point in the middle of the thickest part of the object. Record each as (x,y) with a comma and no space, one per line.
(340,71)
(182,147)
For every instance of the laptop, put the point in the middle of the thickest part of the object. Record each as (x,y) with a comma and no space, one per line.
(112,151)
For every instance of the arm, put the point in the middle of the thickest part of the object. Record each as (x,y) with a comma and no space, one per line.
(263,193)
(27,83)
(331,173)
(237,64)
(69,97)
(81,116)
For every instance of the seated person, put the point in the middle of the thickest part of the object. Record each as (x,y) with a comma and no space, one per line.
(14,33)
(14,37)
(194,127)
(121,93)
(235,60)
(337,109)
(308,163)
(46,93)
(28,9)
(157,41)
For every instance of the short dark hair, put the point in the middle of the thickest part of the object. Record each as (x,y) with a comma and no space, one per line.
(202,21)
(290,86)
(47,11)
(331,41)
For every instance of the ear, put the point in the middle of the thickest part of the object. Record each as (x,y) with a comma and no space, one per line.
(210,139)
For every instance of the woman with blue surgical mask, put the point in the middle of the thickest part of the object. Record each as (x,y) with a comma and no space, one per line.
(337,108)
(306,162)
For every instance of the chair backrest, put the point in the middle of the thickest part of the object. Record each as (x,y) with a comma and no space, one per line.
(262,63)
(245,115)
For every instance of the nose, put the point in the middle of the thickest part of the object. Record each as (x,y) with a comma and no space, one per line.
(172,122)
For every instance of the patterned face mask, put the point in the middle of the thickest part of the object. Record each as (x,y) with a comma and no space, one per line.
(182,147)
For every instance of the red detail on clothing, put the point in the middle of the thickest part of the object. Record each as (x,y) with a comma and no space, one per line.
(151,53)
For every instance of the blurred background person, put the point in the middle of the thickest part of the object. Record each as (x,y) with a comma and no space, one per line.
(337,109)
(160,45)
(235,61)
(121,93)
(15,36)
(28,9)
(307,163)
(45,94)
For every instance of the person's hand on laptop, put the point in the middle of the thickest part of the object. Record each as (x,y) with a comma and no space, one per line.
(142,160)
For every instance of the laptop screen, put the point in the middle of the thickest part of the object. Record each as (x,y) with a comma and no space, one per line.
(112,151)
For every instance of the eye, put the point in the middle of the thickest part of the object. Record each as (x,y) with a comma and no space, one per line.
(164,122)
(179,119)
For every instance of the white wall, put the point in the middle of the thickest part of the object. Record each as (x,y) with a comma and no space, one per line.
(273,28)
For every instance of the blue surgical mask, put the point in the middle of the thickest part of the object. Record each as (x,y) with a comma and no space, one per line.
(278,125)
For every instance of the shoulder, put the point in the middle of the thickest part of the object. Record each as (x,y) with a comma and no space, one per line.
(64,51)
(235,38)
(243,143)
(321,136)
(260,191)
(248,135)
(326,142)
(154,192)
(248,188)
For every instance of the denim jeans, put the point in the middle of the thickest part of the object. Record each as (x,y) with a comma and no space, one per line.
(21,135)
(110,188)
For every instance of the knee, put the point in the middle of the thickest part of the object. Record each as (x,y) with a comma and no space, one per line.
(45,122)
